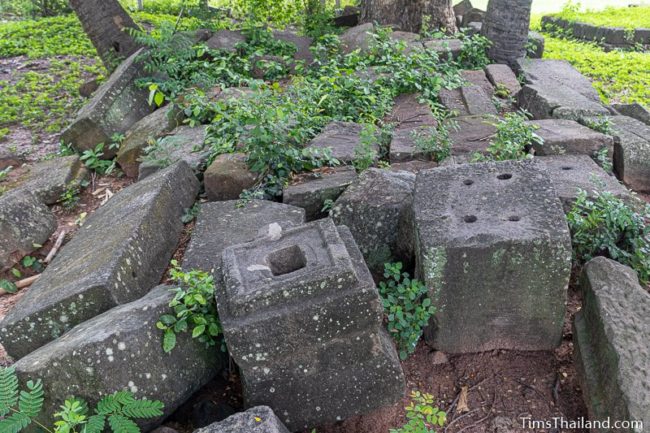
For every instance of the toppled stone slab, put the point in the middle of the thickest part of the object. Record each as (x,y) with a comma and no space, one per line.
(302,44)
(343,138)
(472,134)
(94,271)
(24,222)
(48,180)
(468,100)
(447,49)
(312,192)
(572,173)
(359,38)
(307,287)
(563,136)
(122,350)
(414,166)
(376,208)
(555,89)
(116,106)
(494,249)
(404,144)
(635,111)
(227,40)
(184,143)
(632,152)
(143,134)
(409,112)
(478,78)
(227,177)
(259,419)
(224,223)
(611,335)
(501,76)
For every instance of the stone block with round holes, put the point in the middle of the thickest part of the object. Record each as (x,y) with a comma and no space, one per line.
(494,249)
(303,320)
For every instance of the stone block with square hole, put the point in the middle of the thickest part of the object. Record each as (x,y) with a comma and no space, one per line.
(303,320)
(493,247)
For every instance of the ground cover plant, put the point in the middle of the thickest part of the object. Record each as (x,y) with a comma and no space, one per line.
(627,17)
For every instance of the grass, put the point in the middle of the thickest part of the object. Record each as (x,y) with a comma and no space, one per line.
(626,17)
(551,6)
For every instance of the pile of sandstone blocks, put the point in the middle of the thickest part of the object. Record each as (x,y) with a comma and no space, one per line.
(295,289)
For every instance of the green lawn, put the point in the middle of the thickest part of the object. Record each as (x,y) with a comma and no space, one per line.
(629,18)
(549,6)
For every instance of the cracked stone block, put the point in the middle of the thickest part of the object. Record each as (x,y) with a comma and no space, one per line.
(227,40)
(376,208)
(258,419)
(118,255)
(184,143)
(478,78)
(470,100)
(611,335)
(116,106)
(447,49)
(143,134)
(635,111)
(571,173)
(342,138)
(307,287)
(632,152)
(224,223)
(494,249)
(48,180)
(312,191)
(503,76)
(555,89)
(563,136)
(409,112)
(473,134)
(403,145)
(24,222)
(122,350)
(227,177)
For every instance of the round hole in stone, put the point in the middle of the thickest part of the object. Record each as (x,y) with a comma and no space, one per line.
(514,218)
(286,260)
(468,182)
(504,176)
(470,218)
(566,168)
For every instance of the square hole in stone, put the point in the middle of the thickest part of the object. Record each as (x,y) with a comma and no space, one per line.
(286,260)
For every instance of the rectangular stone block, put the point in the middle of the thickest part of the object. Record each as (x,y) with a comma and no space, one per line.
(493,247)
(122,350)
(563,136)
(342,138)
(632,152)
(259,419)
(409,113)
(116,257)
(611,335)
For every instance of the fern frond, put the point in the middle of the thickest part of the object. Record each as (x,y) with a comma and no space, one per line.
(121,424)
(107,405)
(143,409)
(124,397)
(31,401)
(15,423)
(8,390)
(95,424)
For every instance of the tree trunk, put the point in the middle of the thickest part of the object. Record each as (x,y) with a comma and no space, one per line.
(408,14)
(105,22)
(140,5)
(506,24)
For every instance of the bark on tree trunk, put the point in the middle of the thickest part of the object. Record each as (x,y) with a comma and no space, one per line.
(506,24)
(408,14)
(105,22)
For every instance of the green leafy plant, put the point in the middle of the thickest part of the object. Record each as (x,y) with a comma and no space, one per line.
(5,172)
(474,51)
(191,213)
(18,408)
(422,415)
(602,124)
(407,306)
(92,158)
(604,160)
(194,308)
(435,141)
(69,198)
(365,153)
(604,225)
(513,139)
(8,286)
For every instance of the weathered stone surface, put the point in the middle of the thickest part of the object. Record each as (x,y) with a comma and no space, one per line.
(611,335)
(259,419)
(9,159)
(414,166)
(556,90)
(311,192)
(226,40)
(342,138)
(307,287)
(563,136)
(571,173)
(94,271)
(403,146)
(375,209)
(24,221)
(409,112)
(122,350)
(447,49)
(632,152)
(493,247)
(143,134)
(224,223)
(227,177)
(473,15)
(302,43)
(463,7)
(473,134)
(49,179)
(537,42)
(182,144)
(469,100)
(359,38)
(114,108)
(635,111)
(478,78)
(502,76)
